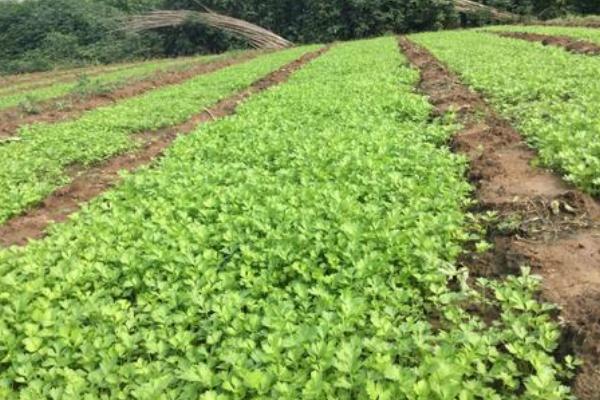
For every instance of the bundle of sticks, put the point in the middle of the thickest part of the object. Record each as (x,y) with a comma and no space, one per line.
(468,6)
(255,35)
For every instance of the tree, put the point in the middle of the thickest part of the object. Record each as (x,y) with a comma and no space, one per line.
(39,34)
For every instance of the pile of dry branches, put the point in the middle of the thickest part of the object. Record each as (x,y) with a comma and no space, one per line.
(468,6)
(255,35)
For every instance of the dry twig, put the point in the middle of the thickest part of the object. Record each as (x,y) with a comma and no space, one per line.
(257,37)
(468,6)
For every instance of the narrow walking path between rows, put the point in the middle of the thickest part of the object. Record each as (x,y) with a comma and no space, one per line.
(577,46)
(543,221)
(90,183)
(48,112)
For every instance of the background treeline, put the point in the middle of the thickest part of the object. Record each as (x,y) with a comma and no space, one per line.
(546,9)
(43,34)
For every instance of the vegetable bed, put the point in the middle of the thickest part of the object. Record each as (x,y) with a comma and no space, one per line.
(103,82)
(551,95)
(34,166)
(302,248)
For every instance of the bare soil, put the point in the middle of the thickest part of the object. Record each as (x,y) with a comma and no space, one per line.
(545,222)
(573,45)
(70,107)
(89,183)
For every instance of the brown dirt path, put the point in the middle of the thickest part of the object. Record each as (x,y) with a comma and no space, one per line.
(570,44)
(547,223)
(12,119)
(90,183)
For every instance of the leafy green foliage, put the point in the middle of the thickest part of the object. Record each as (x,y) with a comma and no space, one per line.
(545,8)
(29,105)
(31,168)
(41,34)
(552,95)
(299,249)
(317,21)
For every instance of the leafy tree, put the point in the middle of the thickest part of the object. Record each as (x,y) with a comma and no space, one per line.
(546,8)
(41,34)
(587,6)
(318,21)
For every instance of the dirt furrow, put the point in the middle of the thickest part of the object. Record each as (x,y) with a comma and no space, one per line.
(72,106)
(570,44)
(89,183)
(543,222)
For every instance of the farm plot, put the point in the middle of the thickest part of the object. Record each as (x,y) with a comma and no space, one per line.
(589,34)
(299,249)
(140,68)
(34,166)
(551,95)
(590,21)
(84,84)
(17,79)
(73,106)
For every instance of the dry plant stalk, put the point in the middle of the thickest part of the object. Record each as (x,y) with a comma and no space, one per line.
(472,6)
(255,35)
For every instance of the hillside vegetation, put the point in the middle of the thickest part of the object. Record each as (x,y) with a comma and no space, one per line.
(43,34)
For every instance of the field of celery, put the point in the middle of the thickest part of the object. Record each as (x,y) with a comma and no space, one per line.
(33,167)
(551,95)
(306,247)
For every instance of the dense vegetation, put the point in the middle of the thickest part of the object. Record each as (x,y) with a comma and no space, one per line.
(545,8)
(31,168)
(551,95)
(302,248)
(40,34)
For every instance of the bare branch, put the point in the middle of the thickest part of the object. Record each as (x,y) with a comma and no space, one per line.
(472,6)
(255,35)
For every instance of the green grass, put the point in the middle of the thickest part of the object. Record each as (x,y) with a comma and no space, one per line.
(300,249)
(551,95)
